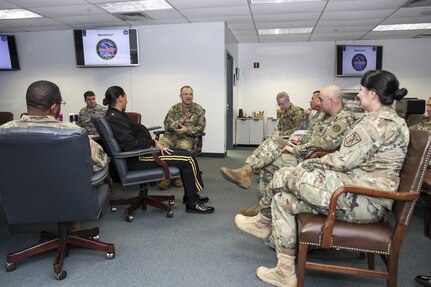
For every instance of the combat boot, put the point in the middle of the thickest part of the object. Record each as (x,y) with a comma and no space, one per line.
(178,182)
(250,211)
(164,184)
(258,225)
(283,275)
(241,176)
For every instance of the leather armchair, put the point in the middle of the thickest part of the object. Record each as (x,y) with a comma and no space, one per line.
(143,178)
(134,116)
(383,238)
(196,138)
(47,177)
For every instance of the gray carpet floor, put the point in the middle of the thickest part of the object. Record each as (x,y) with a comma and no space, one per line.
(190,249)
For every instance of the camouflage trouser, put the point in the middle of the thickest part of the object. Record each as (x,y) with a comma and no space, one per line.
(174,141)
(266,173)
(294,190)
(266,153)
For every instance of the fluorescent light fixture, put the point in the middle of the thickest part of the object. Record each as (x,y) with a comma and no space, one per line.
(133,6)
(279,1)
(285,31)
(17,14)
(403,27)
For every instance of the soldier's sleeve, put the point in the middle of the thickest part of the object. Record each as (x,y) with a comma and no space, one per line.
(83,118)
(98,155)
(330,139)
(357,147)
(200,123)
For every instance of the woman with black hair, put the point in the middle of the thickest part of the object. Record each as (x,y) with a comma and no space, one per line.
(371,155)
(133,136)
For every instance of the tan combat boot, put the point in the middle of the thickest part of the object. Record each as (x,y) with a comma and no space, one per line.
(241,176)
(250,211)
(164,184)
(283,275)
(178,182)
(258,225)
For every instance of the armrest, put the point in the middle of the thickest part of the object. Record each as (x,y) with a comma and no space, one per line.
(100,175)
(331,217)
(133,153)
(151,128)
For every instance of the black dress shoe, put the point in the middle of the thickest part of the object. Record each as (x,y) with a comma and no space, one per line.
(199,207)
(424,280)
(202,199)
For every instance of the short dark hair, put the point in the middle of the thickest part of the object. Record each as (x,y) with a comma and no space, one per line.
(185,87)
(43,94)
(385,84)
(112,94)
(89,94)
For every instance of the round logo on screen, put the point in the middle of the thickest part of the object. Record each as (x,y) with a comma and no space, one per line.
(359,62)
(106,49)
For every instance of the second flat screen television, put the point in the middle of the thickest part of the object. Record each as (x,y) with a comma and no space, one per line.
(356,60)
(104,48)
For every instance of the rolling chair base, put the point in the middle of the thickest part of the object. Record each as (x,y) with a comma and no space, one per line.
(61,243)
(143,200)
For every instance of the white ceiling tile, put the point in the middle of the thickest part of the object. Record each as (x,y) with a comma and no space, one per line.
(76,20)
(287,17)
(363,5)
(187,4)
(72,10)
(293,7)
(46,3)
(275,25)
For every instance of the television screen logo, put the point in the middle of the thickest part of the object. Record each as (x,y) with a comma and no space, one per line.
(359,62)
(106,49)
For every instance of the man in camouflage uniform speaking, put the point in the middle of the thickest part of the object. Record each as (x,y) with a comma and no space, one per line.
(91,111)
(326,132)
(183,120)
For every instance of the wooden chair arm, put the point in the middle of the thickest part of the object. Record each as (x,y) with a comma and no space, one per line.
(331,217)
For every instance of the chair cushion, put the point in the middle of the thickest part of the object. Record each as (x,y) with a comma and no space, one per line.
(351,236)
(150,175)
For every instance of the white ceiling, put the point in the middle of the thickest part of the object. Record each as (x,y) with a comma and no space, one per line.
(331,19)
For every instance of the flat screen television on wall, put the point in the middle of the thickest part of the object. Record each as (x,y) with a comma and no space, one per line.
(106,48)
(356,60)
(8,54)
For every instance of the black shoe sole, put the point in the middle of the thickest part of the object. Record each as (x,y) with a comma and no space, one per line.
(200,211)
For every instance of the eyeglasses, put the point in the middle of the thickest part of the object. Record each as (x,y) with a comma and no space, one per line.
(63,103)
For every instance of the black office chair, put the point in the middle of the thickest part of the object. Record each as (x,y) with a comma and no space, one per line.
(136,177)
(5,117)
(47,176)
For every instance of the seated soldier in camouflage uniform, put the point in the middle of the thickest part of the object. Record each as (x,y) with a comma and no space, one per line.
(326,133)
(291,117)
(371,155)
(183,119)
(43,107)
(91,111)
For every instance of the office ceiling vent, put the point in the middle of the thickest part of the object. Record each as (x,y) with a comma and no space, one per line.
(133,16)
(417,3)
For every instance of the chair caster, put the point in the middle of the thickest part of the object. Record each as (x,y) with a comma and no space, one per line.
(110,255)
(95,238)
(61,275)
(171,203)
(113,209)
(9,267)
(129,218)
(170,214)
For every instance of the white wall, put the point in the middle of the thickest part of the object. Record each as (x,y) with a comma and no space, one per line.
(301,68)
(170,55)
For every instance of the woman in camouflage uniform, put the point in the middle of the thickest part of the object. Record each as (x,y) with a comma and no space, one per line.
(371,155)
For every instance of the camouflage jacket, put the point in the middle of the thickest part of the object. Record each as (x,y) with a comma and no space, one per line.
(371,155)
(290,120)
(86,114)
(99,157)
(174,119)
(315,123)
(328,134)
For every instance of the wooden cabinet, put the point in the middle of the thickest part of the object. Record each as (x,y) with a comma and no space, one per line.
(249,131)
